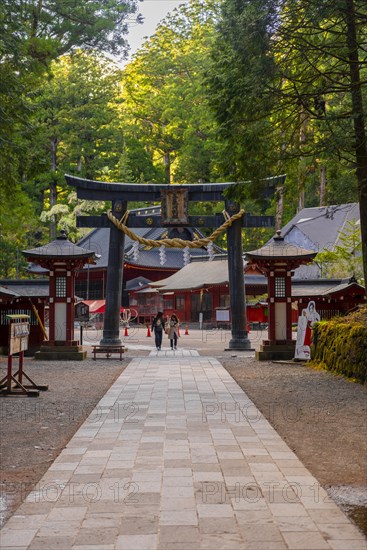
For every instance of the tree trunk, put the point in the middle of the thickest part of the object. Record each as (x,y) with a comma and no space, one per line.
(359,124)
(53,185)
(167,167)
(301,172)
(322,185)
(279,209)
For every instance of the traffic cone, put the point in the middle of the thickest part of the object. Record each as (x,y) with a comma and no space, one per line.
(126,331)
(187,330)
(148,333)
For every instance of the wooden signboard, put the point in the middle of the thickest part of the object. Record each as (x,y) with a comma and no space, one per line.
(174,206)
(18,383)
(18,341)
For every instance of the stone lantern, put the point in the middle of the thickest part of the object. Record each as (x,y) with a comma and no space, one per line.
(278,260)
(62,258)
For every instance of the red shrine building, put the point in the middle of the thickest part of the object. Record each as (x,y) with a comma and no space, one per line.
(203,287)
(199,286)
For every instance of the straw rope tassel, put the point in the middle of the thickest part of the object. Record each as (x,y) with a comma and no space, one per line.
(176,242)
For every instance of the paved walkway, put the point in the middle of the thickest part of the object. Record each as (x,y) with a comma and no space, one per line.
(175,456)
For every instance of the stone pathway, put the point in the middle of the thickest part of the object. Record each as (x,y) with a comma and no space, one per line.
(176,457)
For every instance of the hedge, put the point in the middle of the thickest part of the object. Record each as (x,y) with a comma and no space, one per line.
(340,346)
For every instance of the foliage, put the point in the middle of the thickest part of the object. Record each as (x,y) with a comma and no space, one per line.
(230,91)
(165,101)
(33,34)
(340,345)
(287,85)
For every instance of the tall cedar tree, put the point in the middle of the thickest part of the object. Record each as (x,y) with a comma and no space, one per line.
(288,75)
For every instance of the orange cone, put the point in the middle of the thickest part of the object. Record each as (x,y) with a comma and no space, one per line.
(187,330)
(126,332)
(148,333)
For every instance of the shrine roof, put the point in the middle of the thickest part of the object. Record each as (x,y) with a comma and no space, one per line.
(201,274)
(279,248)
(137,283)
(324,287)
(348,285)
(98,239)
(319,228)
(61,247)
(195,275)
(27,288)
(7,293)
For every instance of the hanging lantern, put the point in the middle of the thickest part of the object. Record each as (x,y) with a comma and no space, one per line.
(210,250)
(186,255)
(162,255)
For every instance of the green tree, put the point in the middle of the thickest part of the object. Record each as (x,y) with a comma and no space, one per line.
(32,35)
(302,81)
(78,121)
(165,100)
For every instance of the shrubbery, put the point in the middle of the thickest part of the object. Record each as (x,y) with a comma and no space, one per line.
(340,345)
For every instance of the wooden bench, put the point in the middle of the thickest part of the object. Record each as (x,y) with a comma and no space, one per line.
(108,351)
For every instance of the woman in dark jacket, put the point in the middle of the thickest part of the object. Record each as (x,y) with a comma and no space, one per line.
(158,327)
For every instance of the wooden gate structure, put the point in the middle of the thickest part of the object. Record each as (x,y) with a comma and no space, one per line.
(174,212)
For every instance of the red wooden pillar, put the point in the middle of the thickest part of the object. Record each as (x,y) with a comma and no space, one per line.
(271,306)
(62,302)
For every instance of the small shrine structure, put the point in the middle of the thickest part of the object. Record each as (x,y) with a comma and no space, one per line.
(62,258)
(278,260)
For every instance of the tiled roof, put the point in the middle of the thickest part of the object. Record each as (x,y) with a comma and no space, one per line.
(27,288)
(322,287)
(60,247)
(196,275)
(8,293)
(279,248)
(318,229)
(138,282)
(202,274)
(98,239)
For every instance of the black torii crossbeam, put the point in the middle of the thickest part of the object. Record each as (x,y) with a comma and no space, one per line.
(120,193)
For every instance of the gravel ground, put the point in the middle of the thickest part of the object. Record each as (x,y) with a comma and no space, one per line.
(35,430)
(322,417)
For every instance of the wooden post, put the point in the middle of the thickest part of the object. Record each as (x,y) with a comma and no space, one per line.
(239,338)
(111,322)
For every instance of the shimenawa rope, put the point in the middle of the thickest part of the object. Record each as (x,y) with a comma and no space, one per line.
(175,242)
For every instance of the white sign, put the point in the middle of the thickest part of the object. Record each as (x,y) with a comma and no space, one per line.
(306,321)
(222,315)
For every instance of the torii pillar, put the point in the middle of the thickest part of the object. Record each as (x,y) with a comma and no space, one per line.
(111,325)
(240,339)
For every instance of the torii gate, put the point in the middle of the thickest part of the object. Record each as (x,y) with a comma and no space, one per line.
(120,193)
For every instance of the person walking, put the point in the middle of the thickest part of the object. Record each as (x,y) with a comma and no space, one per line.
(172,330)
(157,327)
